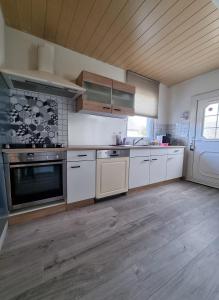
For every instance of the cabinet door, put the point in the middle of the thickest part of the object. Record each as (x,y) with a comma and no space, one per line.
(139,171)
(174,166)
(80,180)
(123,97)
(97,93)
(158,167)
(112,176)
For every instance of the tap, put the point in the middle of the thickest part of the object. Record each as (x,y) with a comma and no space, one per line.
(135,142)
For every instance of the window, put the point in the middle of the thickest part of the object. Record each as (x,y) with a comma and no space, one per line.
(140,127)
(211,122)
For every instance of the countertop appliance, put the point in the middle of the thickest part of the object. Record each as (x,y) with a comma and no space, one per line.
(112,172)
(34,178)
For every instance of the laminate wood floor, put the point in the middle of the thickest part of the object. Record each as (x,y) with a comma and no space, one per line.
(157,244)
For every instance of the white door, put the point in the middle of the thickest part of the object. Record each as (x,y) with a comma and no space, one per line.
(139,171)
(81,178)
(158,168)
(206,143)
(112,176)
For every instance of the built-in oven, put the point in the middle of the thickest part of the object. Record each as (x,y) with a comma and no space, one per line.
(34,178)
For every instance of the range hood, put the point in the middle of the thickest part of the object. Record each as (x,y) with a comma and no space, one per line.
(42,80)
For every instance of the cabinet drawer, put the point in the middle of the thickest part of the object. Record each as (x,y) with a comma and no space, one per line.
(159,151)
(80,155)
(139,152)
(176,151)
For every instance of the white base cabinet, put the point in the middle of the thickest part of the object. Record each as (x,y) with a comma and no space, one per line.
(81,177)
(155,165)
(139,171)
(174,166)
(158,168)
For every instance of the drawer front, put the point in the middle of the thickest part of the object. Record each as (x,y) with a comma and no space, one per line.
(176,151)
(80,155)
(159,151)
(139,152)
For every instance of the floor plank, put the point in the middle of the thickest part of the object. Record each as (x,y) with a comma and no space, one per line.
(137,246)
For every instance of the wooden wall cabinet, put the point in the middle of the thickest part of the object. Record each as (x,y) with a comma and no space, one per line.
(105,96)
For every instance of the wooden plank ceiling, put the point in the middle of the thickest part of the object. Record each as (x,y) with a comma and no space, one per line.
(168,40)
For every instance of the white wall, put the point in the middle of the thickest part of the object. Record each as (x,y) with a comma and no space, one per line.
(21,50)
(2,39)
(180,94)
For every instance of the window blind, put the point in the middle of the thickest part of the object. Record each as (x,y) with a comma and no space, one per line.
(146,96)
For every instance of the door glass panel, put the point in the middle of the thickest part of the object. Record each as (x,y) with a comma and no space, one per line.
(211,109)
(211,121)
(123,99)
(209,133)
(97,93)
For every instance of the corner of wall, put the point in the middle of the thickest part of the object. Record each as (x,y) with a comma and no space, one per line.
(2,39)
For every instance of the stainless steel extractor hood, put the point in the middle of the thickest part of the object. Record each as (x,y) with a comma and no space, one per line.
(42,80)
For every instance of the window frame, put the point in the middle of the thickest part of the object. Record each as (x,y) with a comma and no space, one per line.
(203,123)
(145,136)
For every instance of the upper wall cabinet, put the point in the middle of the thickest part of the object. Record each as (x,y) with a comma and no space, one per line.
(105,96)
(123,97)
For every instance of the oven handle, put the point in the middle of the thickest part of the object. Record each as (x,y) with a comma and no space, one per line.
(36,164)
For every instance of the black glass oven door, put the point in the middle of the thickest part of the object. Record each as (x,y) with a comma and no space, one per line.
(36,183)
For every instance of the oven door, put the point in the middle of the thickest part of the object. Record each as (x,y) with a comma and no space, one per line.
(35,183)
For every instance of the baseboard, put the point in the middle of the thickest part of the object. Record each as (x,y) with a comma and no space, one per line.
(149,186)
(79,204)
(23,217)
(3,235)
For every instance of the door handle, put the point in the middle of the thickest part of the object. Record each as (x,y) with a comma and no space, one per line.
(82,155)
(192,145)
(146,159)
(154,159)
(75,167)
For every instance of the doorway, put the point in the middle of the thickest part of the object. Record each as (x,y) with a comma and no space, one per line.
(203,163)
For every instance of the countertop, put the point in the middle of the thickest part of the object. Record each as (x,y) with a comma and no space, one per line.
(85,147)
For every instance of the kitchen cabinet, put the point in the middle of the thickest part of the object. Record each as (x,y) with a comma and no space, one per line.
(123,96)
(97,97)
(158,168)
(105,96)
(139,171)
(81,175)
(174,166)
(152,165)
(112,176)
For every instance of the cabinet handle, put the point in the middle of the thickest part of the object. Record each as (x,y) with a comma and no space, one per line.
(154,159)
(106,107)
(146,159)
(82,155)
(75,167)
(117,109)
(176,151)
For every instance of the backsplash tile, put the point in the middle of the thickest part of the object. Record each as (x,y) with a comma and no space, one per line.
(37,118)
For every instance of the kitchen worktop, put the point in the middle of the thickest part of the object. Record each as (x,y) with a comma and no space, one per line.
(85,147)
(102,147)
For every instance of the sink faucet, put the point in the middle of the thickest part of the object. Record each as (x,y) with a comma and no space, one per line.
(135,142)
